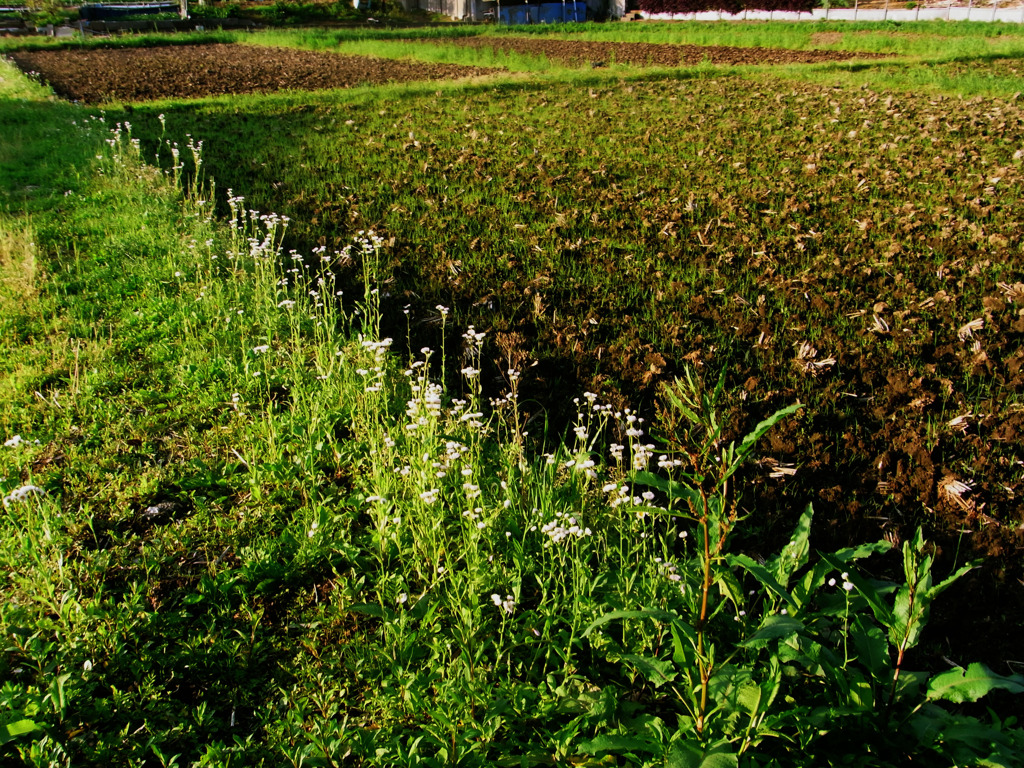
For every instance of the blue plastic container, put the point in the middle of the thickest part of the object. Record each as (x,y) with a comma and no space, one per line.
(542,13)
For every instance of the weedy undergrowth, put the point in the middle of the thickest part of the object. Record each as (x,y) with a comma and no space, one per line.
(810,661)
(398,579)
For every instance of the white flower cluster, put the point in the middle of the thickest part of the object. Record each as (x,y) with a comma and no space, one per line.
(474,516)
(367,241)
(664,462)
(375,374)
(425,405)
(474,338)
(453,453)
(847,584)
(622,494)
(508,605)
(669,570)
(17,440)
(633,422)
(266,247)
(460,410)
(562,528)
(22,494)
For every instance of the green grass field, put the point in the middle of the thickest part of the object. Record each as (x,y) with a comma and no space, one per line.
(613,416)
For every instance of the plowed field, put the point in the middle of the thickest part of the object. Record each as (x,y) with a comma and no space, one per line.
(193,71)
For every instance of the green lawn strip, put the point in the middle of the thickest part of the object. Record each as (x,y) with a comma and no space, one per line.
(989,77)
(142,40)
(904,38)
(111,381)
(913,39)
(37,164)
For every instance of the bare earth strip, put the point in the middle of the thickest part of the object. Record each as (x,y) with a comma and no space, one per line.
(194,71)
(651,54)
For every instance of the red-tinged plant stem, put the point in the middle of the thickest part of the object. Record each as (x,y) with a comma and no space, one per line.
(705,672)
(903,647)
(724,527)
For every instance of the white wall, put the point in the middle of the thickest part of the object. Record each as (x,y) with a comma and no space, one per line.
(989,13)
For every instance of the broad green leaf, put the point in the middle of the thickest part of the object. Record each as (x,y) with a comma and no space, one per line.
(11,731)
(684,755)
(720,760)
(861,551)
(816,658)
(910,613)
(973,734)
(372,609)
(671,488)
(808,584)
(760,573)
(794,555)
(749,698)
(657,671)
(911,685)
(652,480)
(914,599)
(859,691)
(872,649)
(665,616)
(730,588)
(687,755)
(725,683)
(748,442)
(682,655)
(773,628)
(912,547)
(772,684)
(960,685)
(613,743)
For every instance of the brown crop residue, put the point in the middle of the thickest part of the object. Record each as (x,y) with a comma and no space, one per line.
(195,71)
(826,38)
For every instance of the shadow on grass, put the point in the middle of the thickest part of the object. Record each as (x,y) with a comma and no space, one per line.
(37,162)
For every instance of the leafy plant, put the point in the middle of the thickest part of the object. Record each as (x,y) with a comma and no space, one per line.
(814,653)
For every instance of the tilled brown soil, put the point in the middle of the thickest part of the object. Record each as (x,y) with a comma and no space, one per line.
(578,52)
(193,71)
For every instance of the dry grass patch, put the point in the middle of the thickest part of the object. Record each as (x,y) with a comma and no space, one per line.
(19,270)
